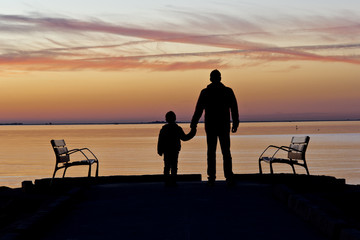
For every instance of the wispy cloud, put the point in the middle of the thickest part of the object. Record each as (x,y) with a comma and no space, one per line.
(137,47)
(22,63)
(36,24)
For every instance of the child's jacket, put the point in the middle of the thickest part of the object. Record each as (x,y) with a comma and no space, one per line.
(169,138)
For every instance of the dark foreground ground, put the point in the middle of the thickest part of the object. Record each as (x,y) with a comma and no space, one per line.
(258,207)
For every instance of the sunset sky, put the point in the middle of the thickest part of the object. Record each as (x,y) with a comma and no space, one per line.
(71,61)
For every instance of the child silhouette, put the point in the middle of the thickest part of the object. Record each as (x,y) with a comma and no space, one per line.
(169,145)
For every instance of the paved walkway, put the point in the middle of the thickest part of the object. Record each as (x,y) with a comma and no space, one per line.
(190,211)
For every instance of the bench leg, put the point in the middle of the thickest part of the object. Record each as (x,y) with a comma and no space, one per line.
(260,169)
(52,179)
(97,169)
(64,172)
(293,168)
(89,174)
(271,168)
(54,173)
(306,168)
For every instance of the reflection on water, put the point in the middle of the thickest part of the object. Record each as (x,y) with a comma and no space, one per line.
(26,153)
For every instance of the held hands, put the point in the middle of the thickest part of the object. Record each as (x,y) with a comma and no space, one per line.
(192,133)
(193,125)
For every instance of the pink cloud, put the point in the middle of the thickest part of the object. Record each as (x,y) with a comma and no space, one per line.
(53,64)
(69,57)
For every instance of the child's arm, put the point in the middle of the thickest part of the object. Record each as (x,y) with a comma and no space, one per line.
(190,135)
(160,144)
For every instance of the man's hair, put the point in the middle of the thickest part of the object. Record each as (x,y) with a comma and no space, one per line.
(170,117)
(215,76)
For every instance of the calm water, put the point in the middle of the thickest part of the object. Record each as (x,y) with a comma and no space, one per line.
(26,153)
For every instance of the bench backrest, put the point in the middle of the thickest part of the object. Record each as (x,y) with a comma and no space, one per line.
(300,144)
(60,150)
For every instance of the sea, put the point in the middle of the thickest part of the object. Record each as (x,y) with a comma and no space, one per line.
(131,149)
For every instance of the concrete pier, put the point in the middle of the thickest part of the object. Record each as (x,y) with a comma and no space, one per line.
(281,206)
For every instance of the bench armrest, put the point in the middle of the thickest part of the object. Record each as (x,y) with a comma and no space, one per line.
(81,150)
(289,149)
(282,148)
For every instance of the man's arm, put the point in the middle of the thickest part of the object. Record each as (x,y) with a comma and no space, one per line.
(234,113)
(198,111)
(190,135)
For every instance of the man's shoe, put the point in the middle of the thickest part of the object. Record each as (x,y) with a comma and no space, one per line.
(230,182)
(211,183)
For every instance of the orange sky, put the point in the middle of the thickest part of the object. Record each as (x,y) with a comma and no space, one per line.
(312,91)
(76,67)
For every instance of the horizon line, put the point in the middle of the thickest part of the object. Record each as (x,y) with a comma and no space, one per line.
(162,122)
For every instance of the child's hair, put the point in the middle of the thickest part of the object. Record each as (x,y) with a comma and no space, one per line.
(170,117)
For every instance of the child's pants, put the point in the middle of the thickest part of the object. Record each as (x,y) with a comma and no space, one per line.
(170,163)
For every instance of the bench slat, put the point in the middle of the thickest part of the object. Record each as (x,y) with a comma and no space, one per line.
(61,150)
(300,139)
(58,143)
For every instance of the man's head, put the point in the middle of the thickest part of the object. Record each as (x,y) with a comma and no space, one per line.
(170,117)
(215,76)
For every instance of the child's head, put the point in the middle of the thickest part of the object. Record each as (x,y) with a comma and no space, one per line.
(170,117)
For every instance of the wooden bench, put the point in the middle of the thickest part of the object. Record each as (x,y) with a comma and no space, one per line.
(63,157)
(295,154)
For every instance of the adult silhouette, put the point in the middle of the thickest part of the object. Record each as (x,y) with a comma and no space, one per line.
(218,101)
